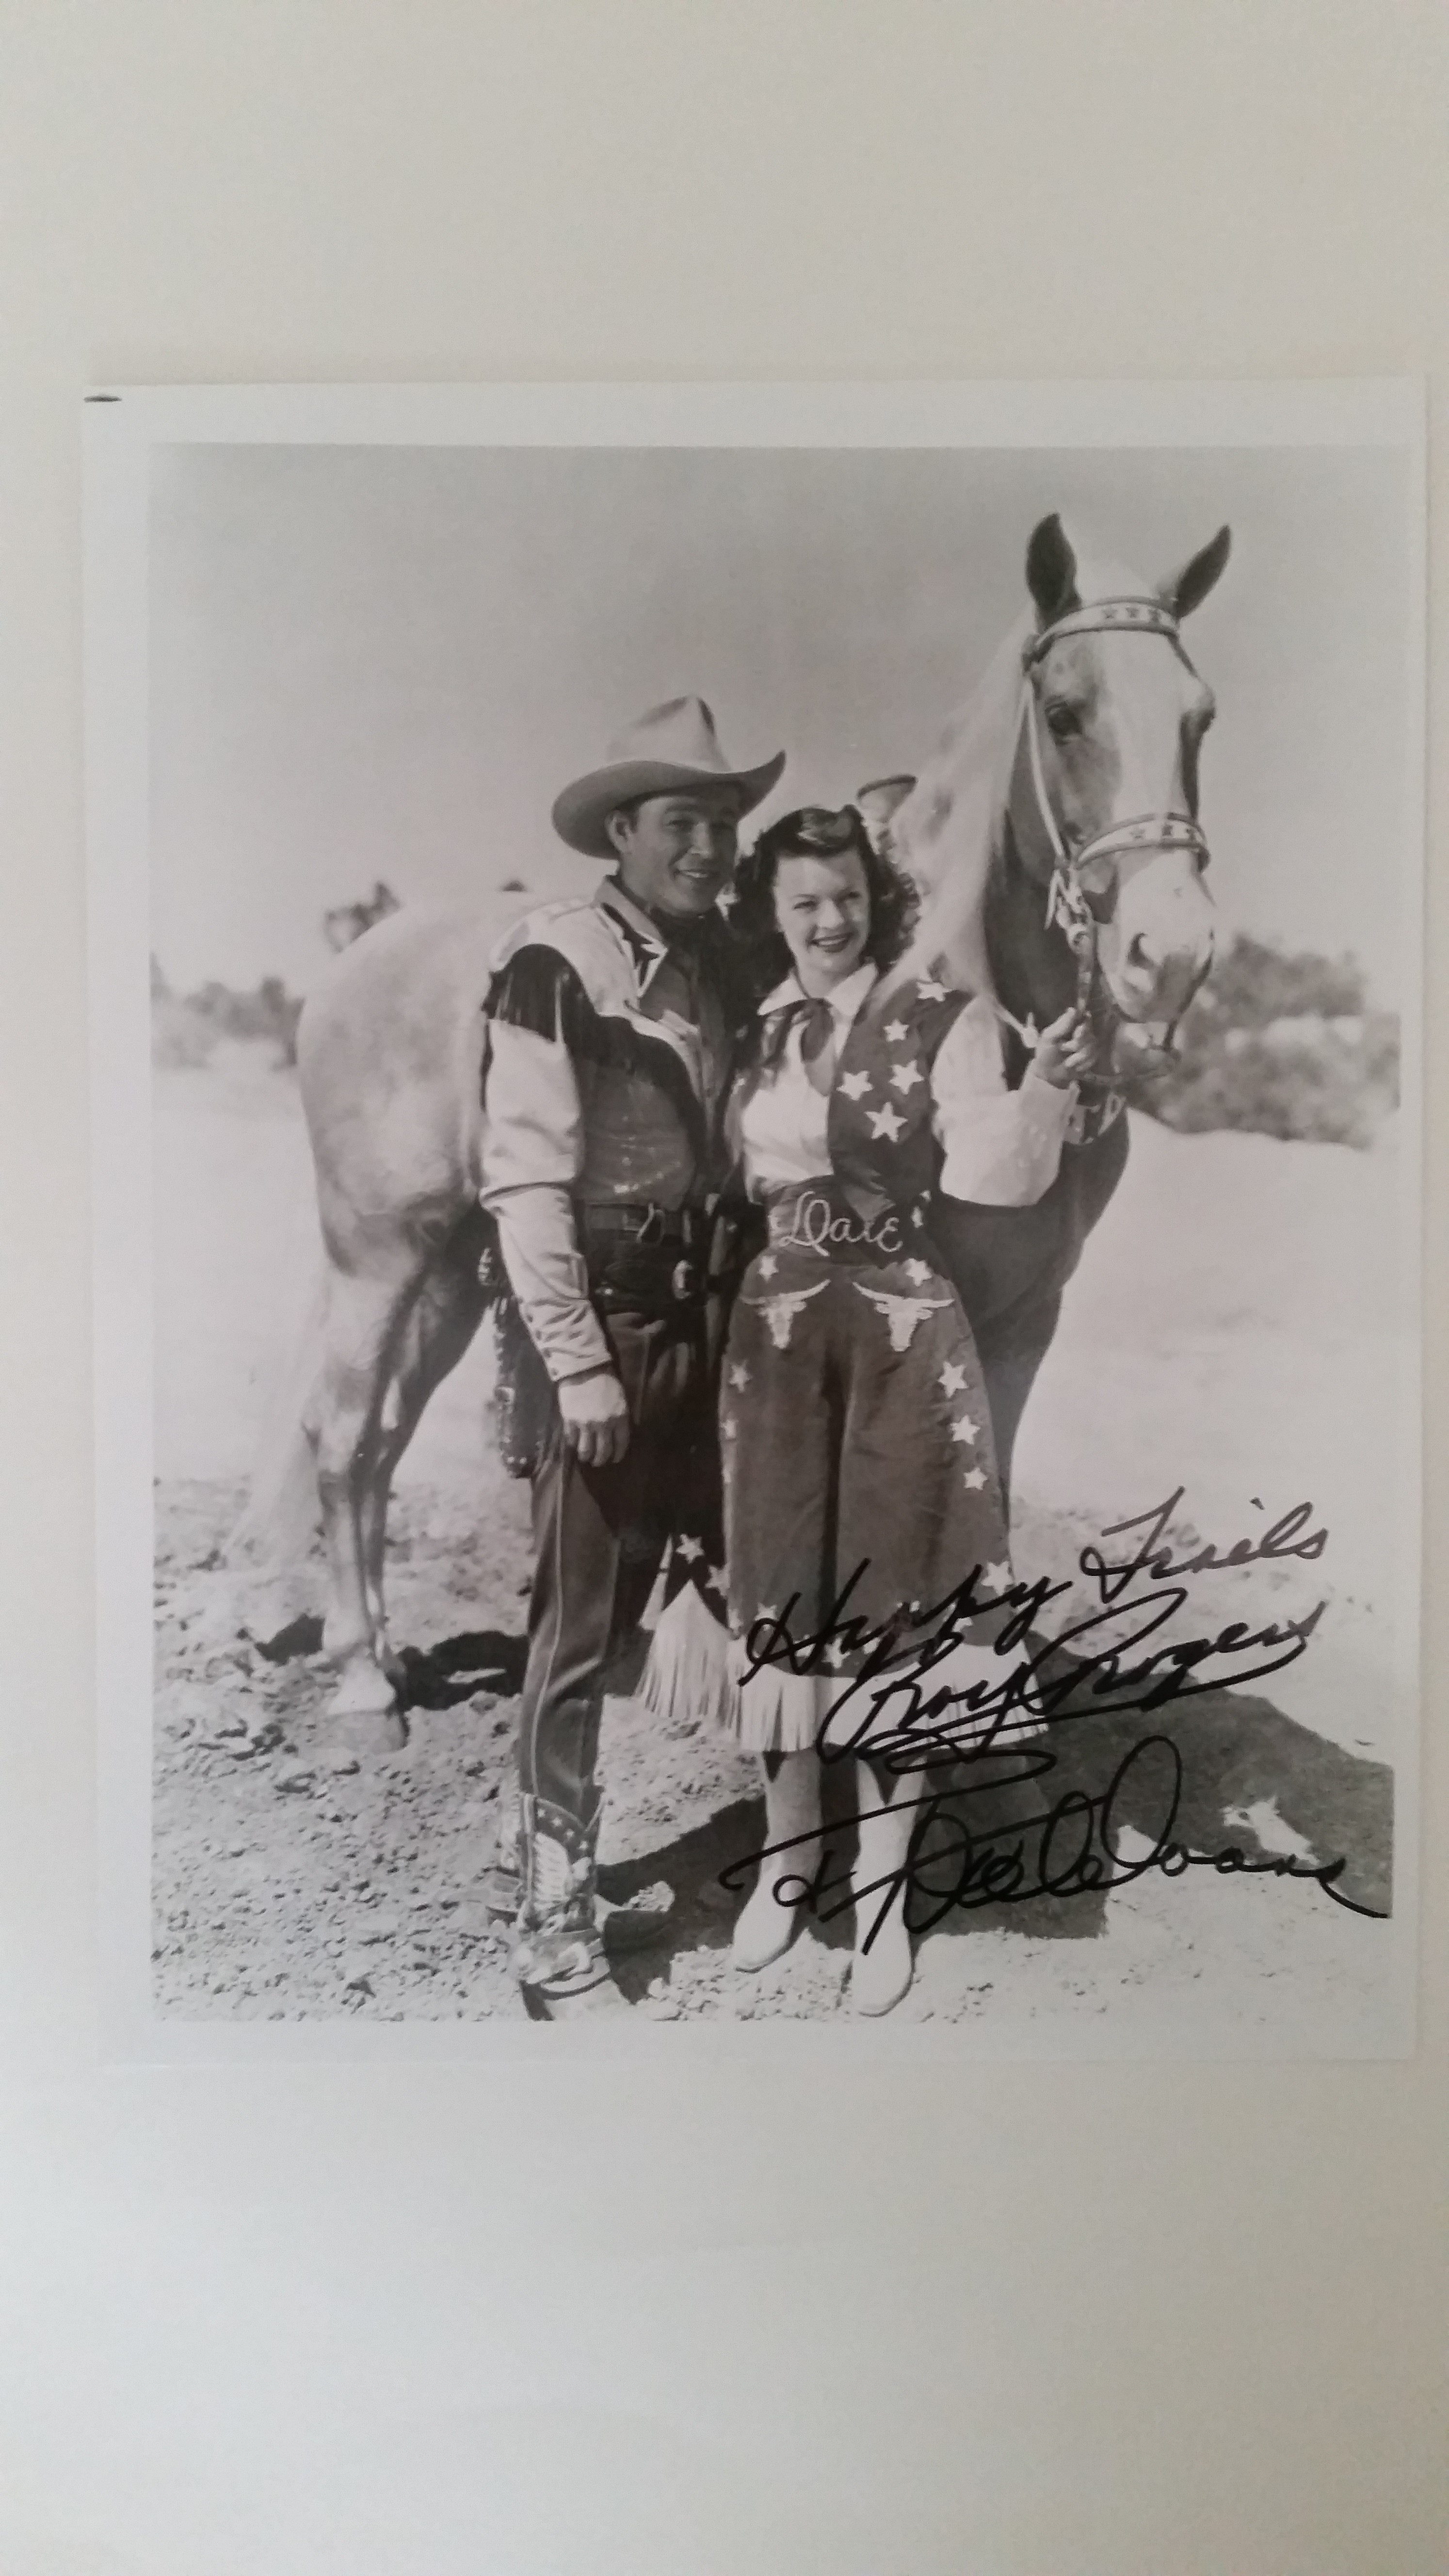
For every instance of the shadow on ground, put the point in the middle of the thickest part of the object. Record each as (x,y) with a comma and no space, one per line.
(480,1659)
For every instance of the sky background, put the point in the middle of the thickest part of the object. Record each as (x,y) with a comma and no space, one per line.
(385,662)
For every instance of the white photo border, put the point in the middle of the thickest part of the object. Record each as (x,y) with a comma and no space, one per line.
(122,425)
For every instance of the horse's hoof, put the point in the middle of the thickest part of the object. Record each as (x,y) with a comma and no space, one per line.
(366,1709)
(372,1734)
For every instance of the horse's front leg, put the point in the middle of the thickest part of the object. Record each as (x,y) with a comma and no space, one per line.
(362,1319)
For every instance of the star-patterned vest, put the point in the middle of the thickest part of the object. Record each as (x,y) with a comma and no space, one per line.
(883,1152)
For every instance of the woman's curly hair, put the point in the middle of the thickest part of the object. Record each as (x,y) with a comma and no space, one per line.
(813,832)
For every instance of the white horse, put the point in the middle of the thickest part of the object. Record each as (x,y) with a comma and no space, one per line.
(1055,824)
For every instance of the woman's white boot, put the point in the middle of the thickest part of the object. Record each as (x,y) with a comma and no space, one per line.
(770,1918)
(881,1974)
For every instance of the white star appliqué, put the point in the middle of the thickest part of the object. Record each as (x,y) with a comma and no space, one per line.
(964,1429)
(895,1033)
(691,1549)
(952,1380)
(974,1479)
(835,1653)
(886,1122)
(855,1085)
(998,1576)
(904,1077)
(767,1611)
(739,1374)
(918,1272)
(768,1265)
(930,990)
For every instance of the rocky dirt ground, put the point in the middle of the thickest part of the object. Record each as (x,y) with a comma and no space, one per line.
(292,1880)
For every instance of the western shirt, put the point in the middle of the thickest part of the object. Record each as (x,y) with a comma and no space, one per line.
(608,1054)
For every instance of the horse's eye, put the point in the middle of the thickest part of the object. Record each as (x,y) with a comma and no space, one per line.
(1062,721)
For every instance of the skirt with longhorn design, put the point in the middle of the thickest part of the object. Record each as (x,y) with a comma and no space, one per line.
(860,1487)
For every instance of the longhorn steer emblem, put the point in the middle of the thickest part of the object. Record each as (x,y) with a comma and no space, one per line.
(780,1312)
(903,1314)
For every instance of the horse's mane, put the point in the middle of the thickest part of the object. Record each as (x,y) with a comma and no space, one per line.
(947,832)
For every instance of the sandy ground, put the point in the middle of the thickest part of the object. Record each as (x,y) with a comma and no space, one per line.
(1226,1335)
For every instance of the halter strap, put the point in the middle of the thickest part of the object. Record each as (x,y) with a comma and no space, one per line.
(1101,616)
(1139,837)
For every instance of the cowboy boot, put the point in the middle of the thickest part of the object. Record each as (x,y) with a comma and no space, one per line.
(635,1921)
(770,1918)
(559,1949)
(882,1967)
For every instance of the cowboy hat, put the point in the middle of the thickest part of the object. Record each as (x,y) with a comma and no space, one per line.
(670,750)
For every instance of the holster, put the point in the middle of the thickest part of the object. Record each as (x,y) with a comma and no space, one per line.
(681,1265)
(524,1405)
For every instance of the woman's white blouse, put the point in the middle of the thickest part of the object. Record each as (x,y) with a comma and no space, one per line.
(1001,1148)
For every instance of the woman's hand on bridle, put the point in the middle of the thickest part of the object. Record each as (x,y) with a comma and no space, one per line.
(1066,1050)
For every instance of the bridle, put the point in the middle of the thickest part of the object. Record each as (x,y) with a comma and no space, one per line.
(1125,846)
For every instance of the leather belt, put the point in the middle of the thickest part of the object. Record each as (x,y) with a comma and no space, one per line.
(643,1223)
(643,1258)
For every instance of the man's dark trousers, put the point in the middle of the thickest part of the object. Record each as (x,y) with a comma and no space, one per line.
(599,1539)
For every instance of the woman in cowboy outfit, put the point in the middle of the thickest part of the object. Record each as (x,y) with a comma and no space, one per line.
(857,1441)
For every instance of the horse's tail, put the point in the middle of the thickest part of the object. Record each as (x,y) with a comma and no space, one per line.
(273,1537)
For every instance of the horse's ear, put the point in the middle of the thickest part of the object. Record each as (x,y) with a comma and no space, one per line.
(1184,591)
(1051,571)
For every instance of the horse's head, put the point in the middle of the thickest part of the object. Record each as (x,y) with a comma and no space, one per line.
(1104,795)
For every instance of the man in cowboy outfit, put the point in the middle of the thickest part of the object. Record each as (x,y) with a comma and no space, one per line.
(610,1024)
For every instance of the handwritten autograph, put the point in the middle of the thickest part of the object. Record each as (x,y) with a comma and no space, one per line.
(996,1732)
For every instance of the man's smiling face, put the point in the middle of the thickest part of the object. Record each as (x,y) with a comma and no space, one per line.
(676,852)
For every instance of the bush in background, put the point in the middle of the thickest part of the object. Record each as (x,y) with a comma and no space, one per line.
(1282,1045)
(1278,1044)
(187,1028)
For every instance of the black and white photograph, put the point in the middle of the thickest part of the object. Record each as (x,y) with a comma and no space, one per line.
(768,1049)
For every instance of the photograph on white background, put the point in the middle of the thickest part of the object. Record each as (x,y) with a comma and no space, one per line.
(772,1375)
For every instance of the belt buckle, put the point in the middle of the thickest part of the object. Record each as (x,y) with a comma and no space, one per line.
(681,1281)
(652,1229)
